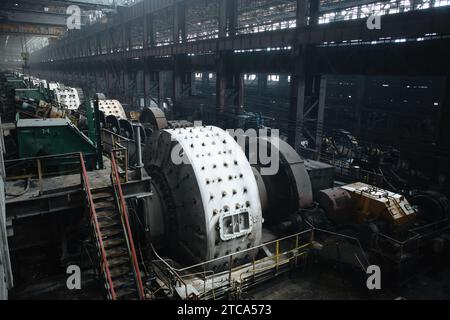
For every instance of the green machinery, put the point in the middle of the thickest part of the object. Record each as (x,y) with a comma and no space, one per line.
(9,82)
(44,128)
(44,137)
(13,84)
(34,93)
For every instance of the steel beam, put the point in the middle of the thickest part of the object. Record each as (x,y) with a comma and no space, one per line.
(31,29)
(87,5)
(36,18)
(404,25)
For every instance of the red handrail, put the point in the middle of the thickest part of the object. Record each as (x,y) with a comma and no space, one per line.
(115,174)
(97,227)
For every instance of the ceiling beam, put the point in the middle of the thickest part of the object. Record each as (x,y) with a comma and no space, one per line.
(38,18)
(84,5)
(31,29)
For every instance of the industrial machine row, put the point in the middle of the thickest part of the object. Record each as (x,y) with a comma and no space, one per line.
(166,208)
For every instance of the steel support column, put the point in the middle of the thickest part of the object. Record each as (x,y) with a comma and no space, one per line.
(359,103)
(140,85)
(299,81)
(151,31)
(126,37)
(221,85)
(443,127)
(262,83)
(145,30)
(229,87)
(313,10)
(162,79)
(239,85)
(181,78)
(179,22)
(227,17)
(296,114)
(177,78)
(321,113)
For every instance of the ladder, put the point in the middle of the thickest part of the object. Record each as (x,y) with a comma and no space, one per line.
(118,263)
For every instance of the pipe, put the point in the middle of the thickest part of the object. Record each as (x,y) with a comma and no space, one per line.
(139,163)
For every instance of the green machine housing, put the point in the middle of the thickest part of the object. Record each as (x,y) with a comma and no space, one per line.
(34,93)
(45,137)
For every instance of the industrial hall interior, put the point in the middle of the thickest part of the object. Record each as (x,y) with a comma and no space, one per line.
(224,150)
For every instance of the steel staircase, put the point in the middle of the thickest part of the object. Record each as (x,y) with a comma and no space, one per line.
(118,263)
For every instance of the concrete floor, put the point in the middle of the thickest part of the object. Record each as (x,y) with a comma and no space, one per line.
(324,281)
(318,280)
(54,288)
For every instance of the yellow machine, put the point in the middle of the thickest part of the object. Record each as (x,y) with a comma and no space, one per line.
(372,202)
(361,202)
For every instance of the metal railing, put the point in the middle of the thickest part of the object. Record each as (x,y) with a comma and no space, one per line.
(286,250)
(364,263)
(115,179)
(44,167)
(350,173)
(104,267)
(417,235)
(122,147)
(121,155)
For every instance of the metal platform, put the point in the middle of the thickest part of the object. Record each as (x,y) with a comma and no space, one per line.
(198,282)
(57,194)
